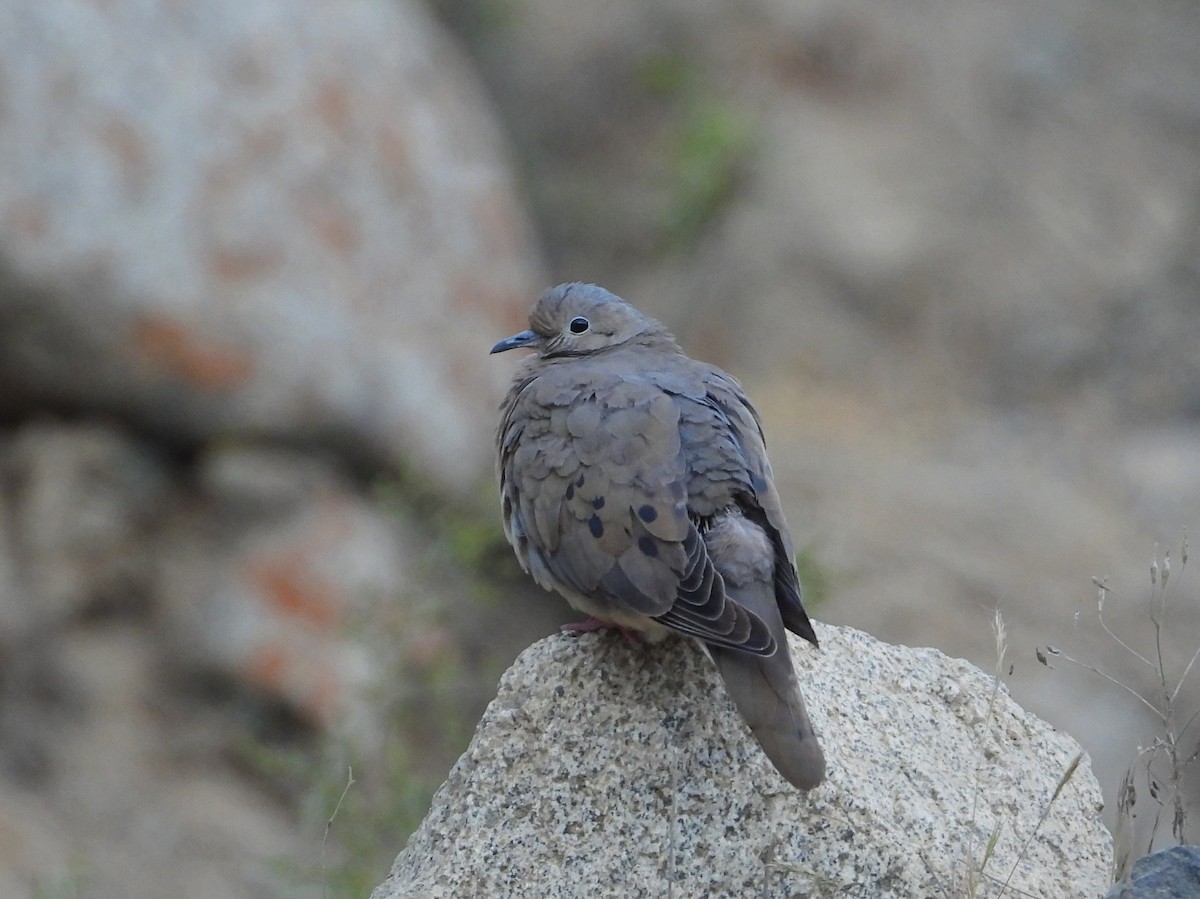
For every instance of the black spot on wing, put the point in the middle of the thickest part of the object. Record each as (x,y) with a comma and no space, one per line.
(598,503)
(647,546)
(647,513)
(596,526)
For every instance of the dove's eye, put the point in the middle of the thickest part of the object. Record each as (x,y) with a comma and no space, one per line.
(578,325)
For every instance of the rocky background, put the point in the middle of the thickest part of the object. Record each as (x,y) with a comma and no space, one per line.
(252,257)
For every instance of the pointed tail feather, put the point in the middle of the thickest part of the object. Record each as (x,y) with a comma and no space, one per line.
(768,697)
(764,688)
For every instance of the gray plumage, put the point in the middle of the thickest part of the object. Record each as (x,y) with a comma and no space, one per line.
(634,481)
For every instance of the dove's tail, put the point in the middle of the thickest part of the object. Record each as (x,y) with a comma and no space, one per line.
(764,688)
(768,697)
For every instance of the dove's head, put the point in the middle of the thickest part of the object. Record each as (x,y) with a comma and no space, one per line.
(581,319)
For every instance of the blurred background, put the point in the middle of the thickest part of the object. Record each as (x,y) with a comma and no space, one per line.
(253,589)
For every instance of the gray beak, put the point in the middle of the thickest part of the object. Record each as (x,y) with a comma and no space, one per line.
(525,338)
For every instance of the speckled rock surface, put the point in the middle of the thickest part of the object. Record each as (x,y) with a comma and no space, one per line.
(601,768)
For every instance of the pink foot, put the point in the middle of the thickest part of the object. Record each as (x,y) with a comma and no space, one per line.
(632,637)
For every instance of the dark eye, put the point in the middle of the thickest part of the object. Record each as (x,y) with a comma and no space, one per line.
(578,325)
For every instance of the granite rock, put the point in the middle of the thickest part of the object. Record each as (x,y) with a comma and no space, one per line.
(616,770)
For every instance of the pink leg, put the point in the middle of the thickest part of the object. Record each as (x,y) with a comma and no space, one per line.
(632,637)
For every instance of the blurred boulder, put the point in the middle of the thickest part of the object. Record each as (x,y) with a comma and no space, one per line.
(272,219)
(15,614)
(156,612)
(265,565)
(130,798)
(274,572)
(76,517)
(250,254)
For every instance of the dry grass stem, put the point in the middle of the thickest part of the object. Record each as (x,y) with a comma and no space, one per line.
(329,826)
(1165,753)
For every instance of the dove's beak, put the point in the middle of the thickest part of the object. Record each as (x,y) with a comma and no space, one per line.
(525,338)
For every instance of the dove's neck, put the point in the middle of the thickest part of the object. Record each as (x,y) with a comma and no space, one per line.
(659,339)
